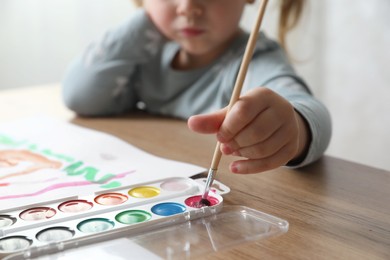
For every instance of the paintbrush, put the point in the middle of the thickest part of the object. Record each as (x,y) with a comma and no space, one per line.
(235,96)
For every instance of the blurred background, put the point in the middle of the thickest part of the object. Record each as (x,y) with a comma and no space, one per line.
(341,48)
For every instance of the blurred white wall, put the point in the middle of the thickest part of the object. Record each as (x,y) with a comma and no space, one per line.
(341,47)
(38,38)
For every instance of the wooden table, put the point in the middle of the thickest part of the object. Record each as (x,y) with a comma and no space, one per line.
(336,209)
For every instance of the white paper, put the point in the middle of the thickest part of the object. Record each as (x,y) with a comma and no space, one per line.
(44,159)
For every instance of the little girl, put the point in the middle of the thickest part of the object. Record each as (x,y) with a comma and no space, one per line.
(180,58)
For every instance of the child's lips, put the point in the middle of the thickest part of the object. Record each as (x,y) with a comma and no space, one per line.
(191,32)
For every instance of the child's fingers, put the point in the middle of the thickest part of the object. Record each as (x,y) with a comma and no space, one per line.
(282,137)
(240,115)
(282,157)
(260,129)
(207,123)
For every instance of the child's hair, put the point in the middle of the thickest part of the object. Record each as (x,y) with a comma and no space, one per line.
(137,3)
(290,12)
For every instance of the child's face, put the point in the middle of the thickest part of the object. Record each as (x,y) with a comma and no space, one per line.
(198,26)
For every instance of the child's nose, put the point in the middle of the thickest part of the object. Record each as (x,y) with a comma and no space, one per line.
(189,8)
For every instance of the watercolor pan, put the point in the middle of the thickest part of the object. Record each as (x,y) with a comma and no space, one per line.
(136,209)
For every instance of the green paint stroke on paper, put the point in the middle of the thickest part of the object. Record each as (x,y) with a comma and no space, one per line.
(88,172)
(33,147)
(111,185)
(6,140)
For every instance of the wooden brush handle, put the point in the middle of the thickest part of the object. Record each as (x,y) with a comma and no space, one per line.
(241,74)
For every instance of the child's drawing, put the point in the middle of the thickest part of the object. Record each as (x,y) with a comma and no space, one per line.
(17,164)
(42,159)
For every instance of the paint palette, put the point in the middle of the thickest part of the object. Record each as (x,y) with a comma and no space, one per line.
(44,228)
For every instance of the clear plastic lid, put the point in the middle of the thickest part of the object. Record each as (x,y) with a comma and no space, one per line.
(233,226)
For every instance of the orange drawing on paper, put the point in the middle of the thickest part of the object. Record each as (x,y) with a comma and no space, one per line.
(11,158)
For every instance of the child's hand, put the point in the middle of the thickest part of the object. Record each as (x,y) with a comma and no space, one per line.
(261,126)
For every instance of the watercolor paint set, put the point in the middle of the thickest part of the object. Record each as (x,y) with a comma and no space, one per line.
(136,209)
(141,212)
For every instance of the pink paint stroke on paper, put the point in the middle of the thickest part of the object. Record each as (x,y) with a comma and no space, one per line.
(60,186)
(26,182)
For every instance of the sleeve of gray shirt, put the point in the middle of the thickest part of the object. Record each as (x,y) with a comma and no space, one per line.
(100,81)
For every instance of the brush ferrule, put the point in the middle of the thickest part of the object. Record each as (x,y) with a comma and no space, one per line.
(209,182)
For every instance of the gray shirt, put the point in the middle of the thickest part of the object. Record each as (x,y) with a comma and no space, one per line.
(130,67)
